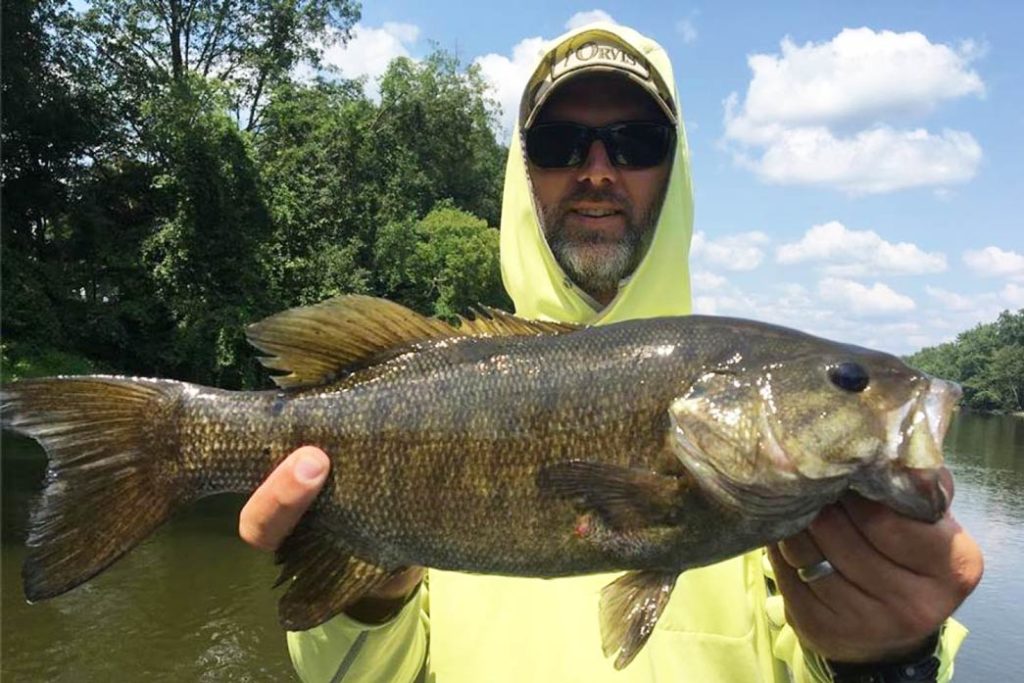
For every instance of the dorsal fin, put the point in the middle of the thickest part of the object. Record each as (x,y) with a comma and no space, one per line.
(493,322)
(316,344)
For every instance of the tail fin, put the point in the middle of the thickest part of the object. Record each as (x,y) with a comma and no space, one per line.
(113,477)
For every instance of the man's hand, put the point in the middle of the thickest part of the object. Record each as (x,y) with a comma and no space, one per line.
(896,580)
(275,508)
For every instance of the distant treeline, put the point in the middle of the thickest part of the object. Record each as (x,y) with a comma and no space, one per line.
(172,171)
(988,361)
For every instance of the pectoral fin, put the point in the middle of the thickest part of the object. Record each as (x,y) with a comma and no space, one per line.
(324,578)
(630,607)
(625,498)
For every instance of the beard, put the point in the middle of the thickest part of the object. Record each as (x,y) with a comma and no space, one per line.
(597,262)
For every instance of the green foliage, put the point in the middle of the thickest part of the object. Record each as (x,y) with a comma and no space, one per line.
(24,363)
(435,124)
(343,173)
(317,165)
(205,255)
(244,46)
(987,361)
(52,116)
(442,265)
(167,180)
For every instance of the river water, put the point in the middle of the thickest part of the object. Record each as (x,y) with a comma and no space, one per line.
(193,602)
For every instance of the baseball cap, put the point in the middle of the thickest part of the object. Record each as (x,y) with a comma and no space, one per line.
(587,53)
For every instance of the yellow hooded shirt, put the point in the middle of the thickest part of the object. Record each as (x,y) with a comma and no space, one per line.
(720,625)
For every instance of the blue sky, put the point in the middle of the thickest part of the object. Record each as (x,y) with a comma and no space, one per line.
(858,170)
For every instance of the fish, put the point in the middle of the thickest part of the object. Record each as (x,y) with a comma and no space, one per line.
(493,445)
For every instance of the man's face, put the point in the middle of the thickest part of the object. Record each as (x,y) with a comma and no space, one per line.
(598,218)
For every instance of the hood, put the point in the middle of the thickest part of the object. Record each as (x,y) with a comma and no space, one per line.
(539,288)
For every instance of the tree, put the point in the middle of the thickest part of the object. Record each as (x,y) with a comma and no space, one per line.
(55,121)
(1005,377)
(317,158)
(207,255)
(988,361)
(148,218)
(245,46)
(347,176)
(444,264)
(436,125)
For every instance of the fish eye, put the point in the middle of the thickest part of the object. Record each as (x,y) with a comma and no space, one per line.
(849,376)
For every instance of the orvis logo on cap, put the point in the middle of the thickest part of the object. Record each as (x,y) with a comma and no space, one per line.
(594,53)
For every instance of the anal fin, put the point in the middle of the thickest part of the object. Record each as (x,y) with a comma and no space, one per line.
(630,607)
(323,576)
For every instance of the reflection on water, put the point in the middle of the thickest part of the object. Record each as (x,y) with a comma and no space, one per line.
(986,455)
(193,603)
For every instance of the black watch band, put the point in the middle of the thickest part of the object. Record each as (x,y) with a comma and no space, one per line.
(920,667)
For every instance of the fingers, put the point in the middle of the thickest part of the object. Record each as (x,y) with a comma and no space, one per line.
(896,579)
(276,506)
(792,587)
(859,562)
(834,591)
(918,546)
(831,615)
(800,551)
(805,611)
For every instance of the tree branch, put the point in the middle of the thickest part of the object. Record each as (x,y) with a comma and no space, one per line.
(256,99)
(207,55)
(187,26)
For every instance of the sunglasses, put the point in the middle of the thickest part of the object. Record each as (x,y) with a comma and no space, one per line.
(632,144)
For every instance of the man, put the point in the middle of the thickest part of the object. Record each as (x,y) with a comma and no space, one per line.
(596,224)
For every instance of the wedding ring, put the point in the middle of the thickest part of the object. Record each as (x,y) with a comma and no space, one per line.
(816,571)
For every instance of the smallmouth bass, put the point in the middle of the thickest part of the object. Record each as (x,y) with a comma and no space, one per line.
(501,446)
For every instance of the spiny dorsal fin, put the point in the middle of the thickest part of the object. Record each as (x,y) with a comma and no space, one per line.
(493,322)
(316,344)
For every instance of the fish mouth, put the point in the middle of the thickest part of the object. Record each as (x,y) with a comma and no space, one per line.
(913,483)
(918,493)
(924,425)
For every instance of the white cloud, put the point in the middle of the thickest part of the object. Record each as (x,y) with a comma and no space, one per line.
(794,296)
(994,262)
(822,113)
(732,252)
(851,312)
(847,311)
(733,303)
(879,299)
(588,17)
(851,253)
(705,305)
(706,281)
(686,29)
(1013,295)
(951,300)
(508,77)
(983,307)
(873,161)
(370,50)
(859,75)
